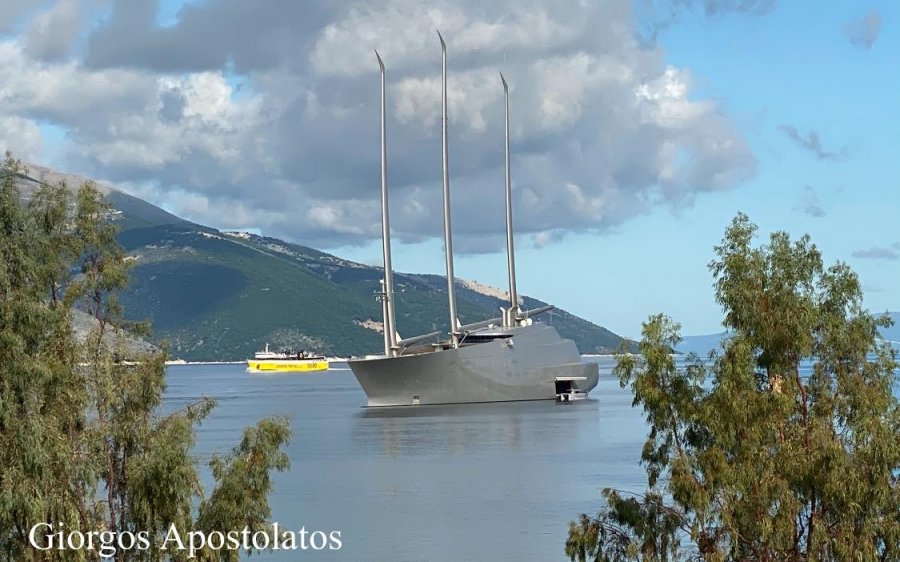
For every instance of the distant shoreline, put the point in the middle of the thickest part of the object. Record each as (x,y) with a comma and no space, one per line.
(176,362)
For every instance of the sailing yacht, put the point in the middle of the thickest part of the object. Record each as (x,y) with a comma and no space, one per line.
(508,358)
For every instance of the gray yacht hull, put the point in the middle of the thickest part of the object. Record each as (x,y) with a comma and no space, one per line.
(524,363)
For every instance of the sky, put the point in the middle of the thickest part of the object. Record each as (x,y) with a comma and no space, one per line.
(640,128)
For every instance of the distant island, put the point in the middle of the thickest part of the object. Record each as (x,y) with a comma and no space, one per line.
(702,344)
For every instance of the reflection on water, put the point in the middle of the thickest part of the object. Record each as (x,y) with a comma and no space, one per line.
(457,482)
(466,427)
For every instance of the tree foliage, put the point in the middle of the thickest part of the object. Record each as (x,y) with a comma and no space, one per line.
(748,457)
(82,443)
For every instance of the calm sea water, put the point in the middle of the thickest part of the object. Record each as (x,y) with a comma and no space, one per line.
(442,483)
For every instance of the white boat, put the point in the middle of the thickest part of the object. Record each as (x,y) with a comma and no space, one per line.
(568,390)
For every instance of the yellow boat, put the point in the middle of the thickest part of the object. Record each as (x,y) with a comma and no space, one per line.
(284,362)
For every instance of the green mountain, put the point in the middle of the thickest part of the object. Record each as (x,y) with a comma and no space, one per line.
(216,295)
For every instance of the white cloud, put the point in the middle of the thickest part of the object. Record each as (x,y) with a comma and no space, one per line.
(20,136)
(11,12)
(282,133)
(664,101)
(52,33)
(345,47)
(66,92)
(470,94)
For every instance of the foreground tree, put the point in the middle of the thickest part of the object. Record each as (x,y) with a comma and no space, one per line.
(83,446)
(748,457)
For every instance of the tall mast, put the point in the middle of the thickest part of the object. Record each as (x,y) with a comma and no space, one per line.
(511,319)
(390,330)
(448,240)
